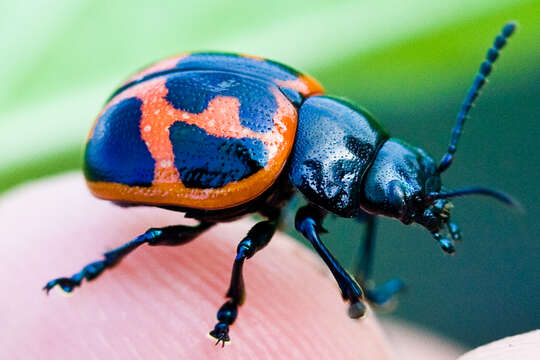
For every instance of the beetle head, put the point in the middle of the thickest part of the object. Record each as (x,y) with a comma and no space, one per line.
(397,183)
(404,183)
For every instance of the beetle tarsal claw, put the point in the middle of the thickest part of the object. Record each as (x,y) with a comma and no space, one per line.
(66,285)
(220,334)
(357,310)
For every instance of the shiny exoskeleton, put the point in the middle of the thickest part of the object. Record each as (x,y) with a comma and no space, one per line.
(219,136)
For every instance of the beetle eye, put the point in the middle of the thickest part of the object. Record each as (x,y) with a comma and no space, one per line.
(418,199)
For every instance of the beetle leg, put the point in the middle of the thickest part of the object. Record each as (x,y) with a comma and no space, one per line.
(309,222)
(363,261)
(170,236)
(379,295)
(257,238)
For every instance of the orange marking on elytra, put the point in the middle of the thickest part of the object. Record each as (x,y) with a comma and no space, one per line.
(162,65)
(254,57)
(304,84)
(221,118)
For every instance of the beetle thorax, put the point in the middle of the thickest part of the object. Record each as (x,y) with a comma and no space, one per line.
(335,145)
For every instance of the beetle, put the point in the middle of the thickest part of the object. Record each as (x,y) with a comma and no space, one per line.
(218,136)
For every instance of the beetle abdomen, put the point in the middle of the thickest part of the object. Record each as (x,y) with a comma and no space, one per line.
(336,143)
(194,139)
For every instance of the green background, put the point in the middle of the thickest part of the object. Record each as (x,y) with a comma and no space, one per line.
(409,63)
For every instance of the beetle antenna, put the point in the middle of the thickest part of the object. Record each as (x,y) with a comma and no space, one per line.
(476,190)
(474,90)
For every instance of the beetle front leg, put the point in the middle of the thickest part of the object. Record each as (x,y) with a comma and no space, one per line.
(257,238)
(309,222)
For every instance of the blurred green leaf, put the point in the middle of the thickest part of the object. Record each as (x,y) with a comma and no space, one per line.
(65,57)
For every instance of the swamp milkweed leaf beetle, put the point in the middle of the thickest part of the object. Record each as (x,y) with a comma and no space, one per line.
(218,136)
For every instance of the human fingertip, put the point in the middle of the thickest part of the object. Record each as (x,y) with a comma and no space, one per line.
(161,302)
(523,347)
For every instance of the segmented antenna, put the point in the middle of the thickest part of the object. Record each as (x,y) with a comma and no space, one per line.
(472,94)
(475,190)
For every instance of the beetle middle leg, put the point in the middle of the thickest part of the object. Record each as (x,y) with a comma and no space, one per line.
(170,236)
(362,266)
(309,222)
(257,238)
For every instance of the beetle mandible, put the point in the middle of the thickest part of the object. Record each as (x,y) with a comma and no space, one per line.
(218,136)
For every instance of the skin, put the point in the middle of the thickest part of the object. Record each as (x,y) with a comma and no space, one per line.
(160,302)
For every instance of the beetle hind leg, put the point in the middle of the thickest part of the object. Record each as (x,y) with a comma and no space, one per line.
(257,238)
(170,235)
